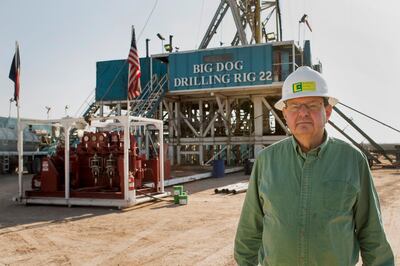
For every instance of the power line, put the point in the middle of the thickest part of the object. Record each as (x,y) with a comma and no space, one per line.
(119,71)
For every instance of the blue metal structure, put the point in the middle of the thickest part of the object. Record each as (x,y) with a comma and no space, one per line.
(243,66)
(211,100)
(219,68)
(112,77)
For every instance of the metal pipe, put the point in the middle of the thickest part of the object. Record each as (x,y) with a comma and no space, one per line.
(147,47)
(20,157)
(257,22)
(278,21)
(240,190)
(126,158)
(161,136)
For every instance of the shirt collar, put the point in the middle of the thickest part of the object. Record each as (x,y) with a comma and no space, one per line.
(318,151)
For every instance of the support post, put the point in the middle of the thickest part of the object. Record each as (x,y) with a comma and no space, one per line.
(20,157)
(146,136)
(178,133)
(277,118)
(127,144)
(258,123)
(161,136)
(238,21)
(67,128)
(201,146)
(171,133)
(228,118)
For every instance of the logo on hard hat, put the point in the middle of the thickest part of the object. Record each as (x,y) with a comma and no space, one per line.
(304,86)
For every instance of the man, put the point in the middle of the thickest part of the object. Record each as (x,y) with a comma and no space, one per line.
(311,199)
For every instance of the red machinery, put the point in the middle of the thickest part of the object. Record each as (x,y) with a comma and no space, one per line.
(96,169)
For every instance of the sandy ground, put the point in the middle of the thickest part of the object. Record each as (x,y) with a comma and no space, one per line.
(161,233)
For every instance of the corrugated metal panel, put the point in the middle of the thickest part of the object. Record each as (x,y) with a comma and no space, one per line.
(307,53)
(9,122)
(286,67)
(221,68)
(112,77)
(8,140)
(8,134)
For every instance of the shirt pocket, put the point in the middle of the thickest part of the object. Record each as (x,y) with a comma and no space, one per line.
(339,196)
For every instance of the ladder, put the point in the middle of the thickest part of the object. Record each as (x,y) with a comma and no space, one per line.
(143,106)
(5,163)
(92,109)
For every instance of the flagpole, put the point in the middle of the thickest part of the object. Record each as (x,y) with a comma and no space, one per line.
(126,144)
(20,133)
(127,196)
(127,91)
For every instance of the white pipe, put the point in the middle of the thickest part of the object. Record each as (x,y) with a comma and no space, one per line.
(67,128)
(161,134)
(146,138)
(126,121)
(20,131)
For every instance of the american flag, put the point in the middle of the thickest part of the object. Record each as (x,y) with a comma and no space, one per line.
(134,88)
(14,73)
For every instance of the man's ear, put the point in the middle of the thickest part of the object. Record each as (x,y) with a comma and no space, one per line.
(284,114)
(328,111)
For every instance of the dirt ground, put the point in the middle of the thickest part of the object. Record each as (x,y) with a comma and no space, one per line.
(160,233)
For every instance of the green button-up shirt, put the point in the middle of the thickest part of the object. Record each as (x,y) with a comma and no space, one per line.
(315,208)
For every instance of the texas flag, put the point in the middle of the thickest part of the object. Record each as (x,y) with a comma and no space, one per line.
(15,72)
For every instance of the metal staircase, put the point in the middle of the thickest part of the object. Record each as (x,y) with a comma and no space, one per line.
(143,106)
(147,102)
(92,109)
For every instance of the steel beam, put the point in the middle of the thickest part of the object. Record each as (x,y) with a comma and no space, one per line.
(212,28)
(277,118)
(373,143)
(238,21)
(354,142)
(185,119)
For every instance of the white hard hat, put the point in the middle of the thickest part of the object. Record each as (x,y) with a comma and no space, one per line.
(304,82)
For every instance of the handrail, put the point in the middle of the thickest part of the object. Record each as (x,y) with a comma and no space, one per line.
(92,96)
(145,105)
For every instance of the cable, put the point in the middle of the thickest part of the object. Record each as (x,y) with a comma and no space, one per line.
(386,125)
(123,65)
(147,20)
(198,30)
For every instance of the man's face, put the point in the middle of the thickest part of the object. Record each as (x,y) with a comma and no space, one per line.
(306,116)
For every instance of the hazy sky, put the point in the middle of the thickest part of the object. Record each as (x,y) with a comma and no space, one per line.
(61,41)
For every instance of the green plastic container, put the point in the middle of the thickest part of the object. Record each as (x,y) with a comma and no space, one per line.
(176,199)
(178,190)
(183,199)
